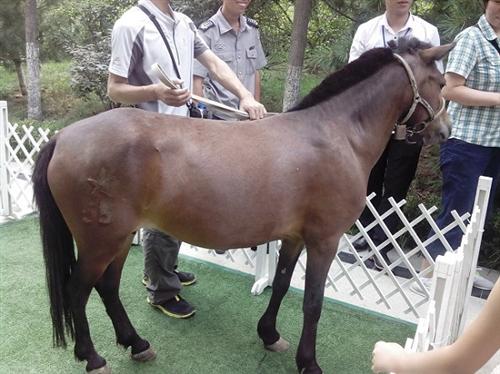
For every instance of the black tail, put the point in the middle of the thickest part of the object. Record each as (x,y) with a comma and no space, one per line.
(58,248)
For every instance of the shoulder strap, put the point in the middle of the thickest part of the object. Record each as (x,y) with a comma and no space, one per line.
(206,25)
(492,42)
(252,22)
(155,22)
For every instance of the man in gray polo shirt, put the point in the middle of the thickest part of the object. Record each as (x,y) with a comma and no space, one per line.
(137,44)
(235,39)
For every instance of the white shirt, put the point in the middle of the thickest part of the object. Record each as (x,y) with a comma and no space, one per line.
(377,33)
(136,44)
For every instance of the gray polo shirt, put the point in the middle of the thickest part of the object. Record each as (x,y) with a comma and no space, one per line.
(136,44)
(242,51)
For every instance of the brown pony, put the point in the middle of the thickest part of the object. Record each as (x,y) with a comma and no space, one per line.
(300,177)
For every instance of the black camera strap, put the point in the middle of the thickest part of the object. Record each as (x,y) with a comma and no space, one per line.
(155,22)
(193,111)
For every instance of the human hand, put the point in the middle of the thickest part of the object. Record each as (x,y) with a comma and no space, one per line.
(172,96)
(254,109)
(386,357)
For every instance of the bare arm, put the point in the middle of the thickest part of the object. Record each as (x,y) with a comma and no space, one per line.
(455,90)
(120,91)
(197,85)
(225,76)
(470,352)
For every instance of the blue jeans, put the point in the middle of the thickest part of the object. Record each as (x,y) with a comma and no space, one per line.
(461,165)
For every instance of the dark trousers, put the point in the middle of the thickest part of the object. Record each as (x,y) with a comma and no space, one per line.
(461,165)
(391,176)
(160,260)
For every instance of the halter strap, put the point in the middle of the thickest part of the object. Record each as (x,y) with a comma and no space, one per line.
(401,131)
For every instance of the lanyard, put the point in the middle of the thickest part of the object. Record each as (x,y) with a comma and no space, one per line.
(383,34)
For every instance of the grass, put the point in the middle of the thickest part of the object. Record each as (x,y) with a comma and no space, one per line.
(221,338)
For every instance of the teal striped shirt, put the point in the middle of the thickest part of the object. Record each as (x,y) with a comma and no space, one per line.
(475,59)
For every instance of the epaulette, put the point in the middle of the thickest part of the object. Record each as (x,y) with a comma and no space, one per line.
(252,22)
(206,25)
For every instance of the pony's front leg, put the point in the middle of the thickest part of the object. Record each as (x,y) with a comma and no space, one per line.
(319,260)
(289,254)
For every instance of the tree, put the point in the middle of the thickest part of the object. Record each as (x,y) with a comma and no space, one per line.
(302,14)
(33,60)
(12,40)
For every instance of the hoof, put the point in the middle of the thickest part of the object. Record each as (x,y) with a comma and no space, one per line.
(102,370)
(314,370)
(280,346)
(147,355)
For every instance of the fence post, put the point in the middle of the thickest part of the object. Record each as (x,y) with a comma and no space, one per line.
(481,201)
(5,201)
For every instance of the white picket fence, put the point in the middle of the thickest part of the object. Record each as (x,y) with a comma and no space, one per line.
(351,278)
(452,283)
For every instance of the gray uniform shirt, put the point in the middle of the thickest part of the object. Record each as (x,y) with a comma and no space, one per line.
(136,44)
(241,51)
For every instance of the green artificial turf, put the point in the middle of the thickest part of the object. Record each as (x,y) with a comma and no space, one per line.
(220,338)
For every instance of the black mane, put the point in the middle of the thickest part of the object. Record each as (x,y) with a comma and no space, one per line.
(365,66)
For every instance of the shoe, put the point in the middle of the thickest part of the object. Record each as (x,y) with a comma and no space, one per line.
(376,262)
(175,307)
(360,244)
(427,282)
(482,283)
(187,279)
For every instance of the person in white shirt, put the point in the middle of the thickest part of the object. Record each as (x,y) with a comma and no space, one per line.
(137,43)
(394,171)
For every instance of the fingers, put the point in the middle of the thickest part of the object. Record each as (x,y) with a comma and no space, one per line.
(172,97)
(385,356)
(179,83)
(254,109)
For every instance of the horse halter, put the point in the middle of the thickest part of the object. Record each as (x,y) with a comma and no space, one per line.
(401,131)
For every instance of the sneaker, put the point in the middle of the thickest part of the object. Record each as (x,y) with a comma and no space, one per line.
(377,264)
(187,279)
(175,307)
(427,282)
(482,283)
(360,244)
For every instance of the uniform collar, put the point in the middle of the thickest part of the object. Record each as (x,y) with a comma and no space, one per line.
(159,14)
(408,25)
(224,25)
(486,28)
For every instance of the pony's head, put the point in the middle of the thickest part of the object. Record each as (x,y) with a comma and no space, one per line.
(426,119)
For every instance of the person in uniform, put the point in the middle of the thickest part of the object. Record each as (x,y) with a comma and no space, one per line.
(235,39)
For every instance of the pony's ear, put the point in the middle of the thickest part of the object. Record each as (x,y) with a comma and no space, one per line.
(432,54)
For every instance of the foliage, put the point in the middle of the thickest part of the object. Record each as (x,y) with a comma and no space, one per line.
(12,31)
(86,38)
(60,105)
(198,11)
(89,76)
(458,15)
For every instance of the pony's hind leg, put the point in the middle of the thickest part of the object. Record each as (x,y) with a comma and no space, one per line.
(289,254)
(83,279)
(108,287)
